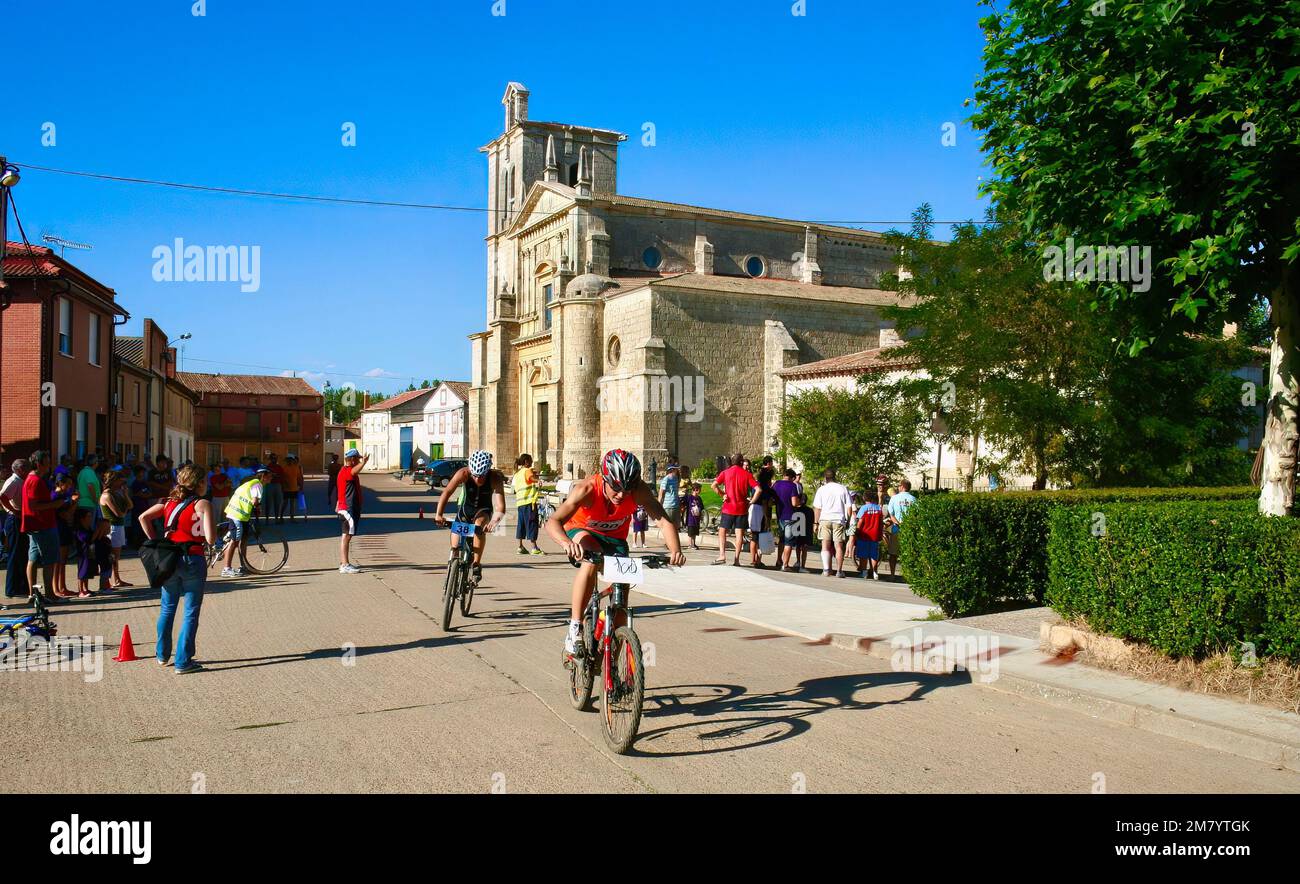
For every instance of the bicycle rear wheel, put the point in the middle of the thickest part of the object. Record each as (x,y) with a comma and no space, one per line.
(466,595)
(452,588)
(623,689)
(264,552)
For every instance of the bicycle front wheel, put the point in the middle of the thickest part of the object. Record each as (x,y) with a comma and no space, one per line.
(265,552)
(623,689)
(452,588)
(582,670)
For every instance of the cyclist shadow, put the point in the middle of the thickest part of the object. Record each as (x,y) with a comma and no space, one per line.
(728,718)
(336,653)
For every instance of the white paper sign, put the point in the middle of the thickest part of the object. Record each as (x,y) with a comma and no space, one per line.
(618,570)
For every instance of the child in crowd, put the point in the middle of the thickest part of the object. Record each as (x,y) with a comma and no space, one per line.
(866,539)
(141,500)
(799,531)
(65,489)
(694,505)
(84,537)
(640,522)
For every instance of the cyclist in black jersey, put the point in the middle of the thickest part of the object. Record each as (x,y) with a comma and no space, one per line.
(482,501)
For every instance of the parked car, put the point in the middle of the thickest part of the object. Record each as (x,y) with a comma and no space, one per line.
(441,471)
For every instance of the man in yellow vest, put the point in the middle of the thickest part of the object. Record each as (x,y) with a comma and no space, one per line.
(527,492)
(243,503)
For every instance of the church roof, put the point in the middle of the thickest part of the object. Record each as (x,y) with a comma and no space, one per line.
(780,288)
(851,364)
(619,200)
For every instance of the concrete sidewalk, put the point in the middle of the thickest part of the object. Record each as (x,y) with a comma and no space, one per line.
(900,632)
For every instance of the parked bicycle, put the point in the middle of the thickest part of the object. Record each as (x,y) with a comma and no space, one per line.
(460,582)
(17,632)
(614,650)
(263,550)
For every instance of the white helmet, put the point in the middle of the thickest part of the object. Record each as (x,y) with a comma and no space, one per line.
(479,463)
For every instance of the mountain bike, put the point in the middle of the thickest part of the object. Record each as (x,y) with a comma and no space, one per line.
(17,632)
(263,550)
(461,582)
(615,652)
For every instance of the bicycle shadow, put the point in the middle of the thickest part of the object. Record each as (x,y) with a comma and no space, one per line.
(337,653)
(729,719)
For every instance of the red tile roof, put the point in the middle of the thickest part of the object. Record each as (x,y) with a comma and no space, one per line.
(247,384)
(399,399)
(36,262)
(862,362)
(459,389)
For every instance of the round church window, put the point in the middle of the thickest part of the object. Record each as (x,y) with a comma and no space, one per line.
(754,266)
(613,352)
(652,258)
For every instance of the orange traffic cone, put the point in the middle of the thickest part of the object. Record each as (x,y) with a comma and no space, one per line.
(126,649)
(421,512)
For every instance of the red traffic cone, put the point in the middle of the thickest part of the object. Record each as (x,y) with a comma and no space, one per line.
(421,511)
(126,649)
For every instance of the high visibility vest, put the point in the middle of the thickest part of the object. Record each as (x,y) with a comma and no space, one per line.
(526,494)
(241,503)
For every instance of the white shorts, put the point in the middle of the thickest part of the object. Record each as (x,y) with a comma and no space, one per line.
(117,536)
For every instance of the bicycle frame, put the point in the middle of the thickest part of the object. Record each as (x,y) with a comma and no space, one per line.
(601,631)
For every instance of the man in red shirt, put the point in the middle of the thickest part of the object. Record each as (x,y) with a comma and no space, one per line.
(348,505)
(735,484)
(38,523)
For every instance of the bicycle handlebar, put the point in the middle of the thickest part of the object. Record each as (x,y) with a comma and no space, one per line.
(649,560)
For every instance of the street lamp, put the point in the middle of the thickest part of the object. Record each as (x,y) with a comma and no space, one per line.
(9,176)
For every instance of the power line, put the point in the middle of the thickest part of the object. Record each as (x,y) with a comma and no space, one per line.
(441,207)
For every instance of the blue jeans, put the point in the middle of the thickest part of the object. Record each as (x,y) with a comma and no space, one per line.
(187,583)
(16,568)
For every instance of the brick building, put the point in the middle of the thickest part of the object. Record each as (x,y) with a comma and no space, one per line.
(57,334)
(653,326)
(155,408)
(244,414)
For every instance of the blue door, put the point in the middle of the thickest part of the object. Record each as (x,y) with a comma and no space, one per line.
(407,443)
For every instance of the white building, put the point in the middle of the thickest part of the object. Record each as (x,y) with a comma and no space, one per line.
(446,421)
(392,430)
(952,464)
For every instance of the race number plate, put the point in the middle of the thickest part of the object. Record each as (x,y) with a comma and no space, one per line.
(619,570)
(464,529)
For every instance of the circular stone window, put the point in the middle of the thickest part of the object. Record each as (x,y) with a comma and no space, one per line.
(754,266)
(652,258)
(613,351)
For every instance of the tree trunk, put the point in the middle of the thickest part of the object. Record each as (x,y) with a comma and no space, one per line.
(1282,430)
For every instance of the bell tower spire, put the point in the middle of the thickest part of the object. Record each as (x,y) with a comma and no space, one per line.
(552,171)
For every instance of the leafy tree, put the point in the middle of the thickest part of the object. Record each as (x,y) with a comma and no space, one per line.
(1171,125)
(860,433)
(1026,367)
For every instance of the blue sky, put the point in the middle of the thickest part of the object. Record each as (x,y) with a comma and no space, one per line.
(832,116)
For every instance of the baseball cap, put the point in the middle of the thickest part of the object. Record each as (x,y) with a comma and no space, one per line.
(352,452)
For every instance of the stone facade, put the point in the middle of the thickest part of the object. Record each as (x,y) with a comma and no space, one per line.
(615,321)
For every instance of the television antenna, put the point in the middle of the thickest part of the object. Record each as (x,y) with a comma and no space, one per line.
(64,244)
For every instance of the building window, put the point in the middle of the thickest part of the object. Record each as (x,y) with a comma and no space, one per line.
(121,393)
(613,351)
(755,267)
(547,296)
(652,258)
(65,431)
(65,326)
(291,420)
(94,339)
(137,397)
(83,420)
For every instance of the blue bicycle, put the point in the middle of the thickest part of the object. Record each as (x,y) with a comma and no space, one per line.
(16,632)
(460,573)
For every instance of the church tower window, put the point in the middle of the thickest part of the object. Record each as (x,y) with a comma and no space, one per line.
(755,267)
(652,258)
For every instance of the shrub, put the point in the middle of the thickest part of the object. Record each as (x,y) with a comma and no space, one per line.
(972,553)
(1187,578)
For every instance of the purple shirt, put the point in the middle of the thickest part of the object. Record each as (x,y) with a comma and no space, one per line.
(784,490)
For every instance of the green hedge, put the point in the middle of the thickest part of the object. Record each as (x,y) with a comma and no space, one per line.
(1189,579)
(972,553)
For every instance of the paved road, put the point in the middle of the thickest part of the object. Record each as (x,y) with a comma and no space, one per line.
(731,708)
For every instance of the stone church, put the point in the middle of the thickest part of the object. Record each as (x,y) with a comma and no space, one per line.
(618,321)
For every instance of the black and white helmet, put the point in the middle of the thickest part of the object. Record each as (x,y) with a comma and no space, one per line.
(620,469)
(479,463)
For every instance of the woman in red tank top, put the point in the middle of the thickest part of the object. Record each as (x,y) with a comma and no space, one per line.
(188,521)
